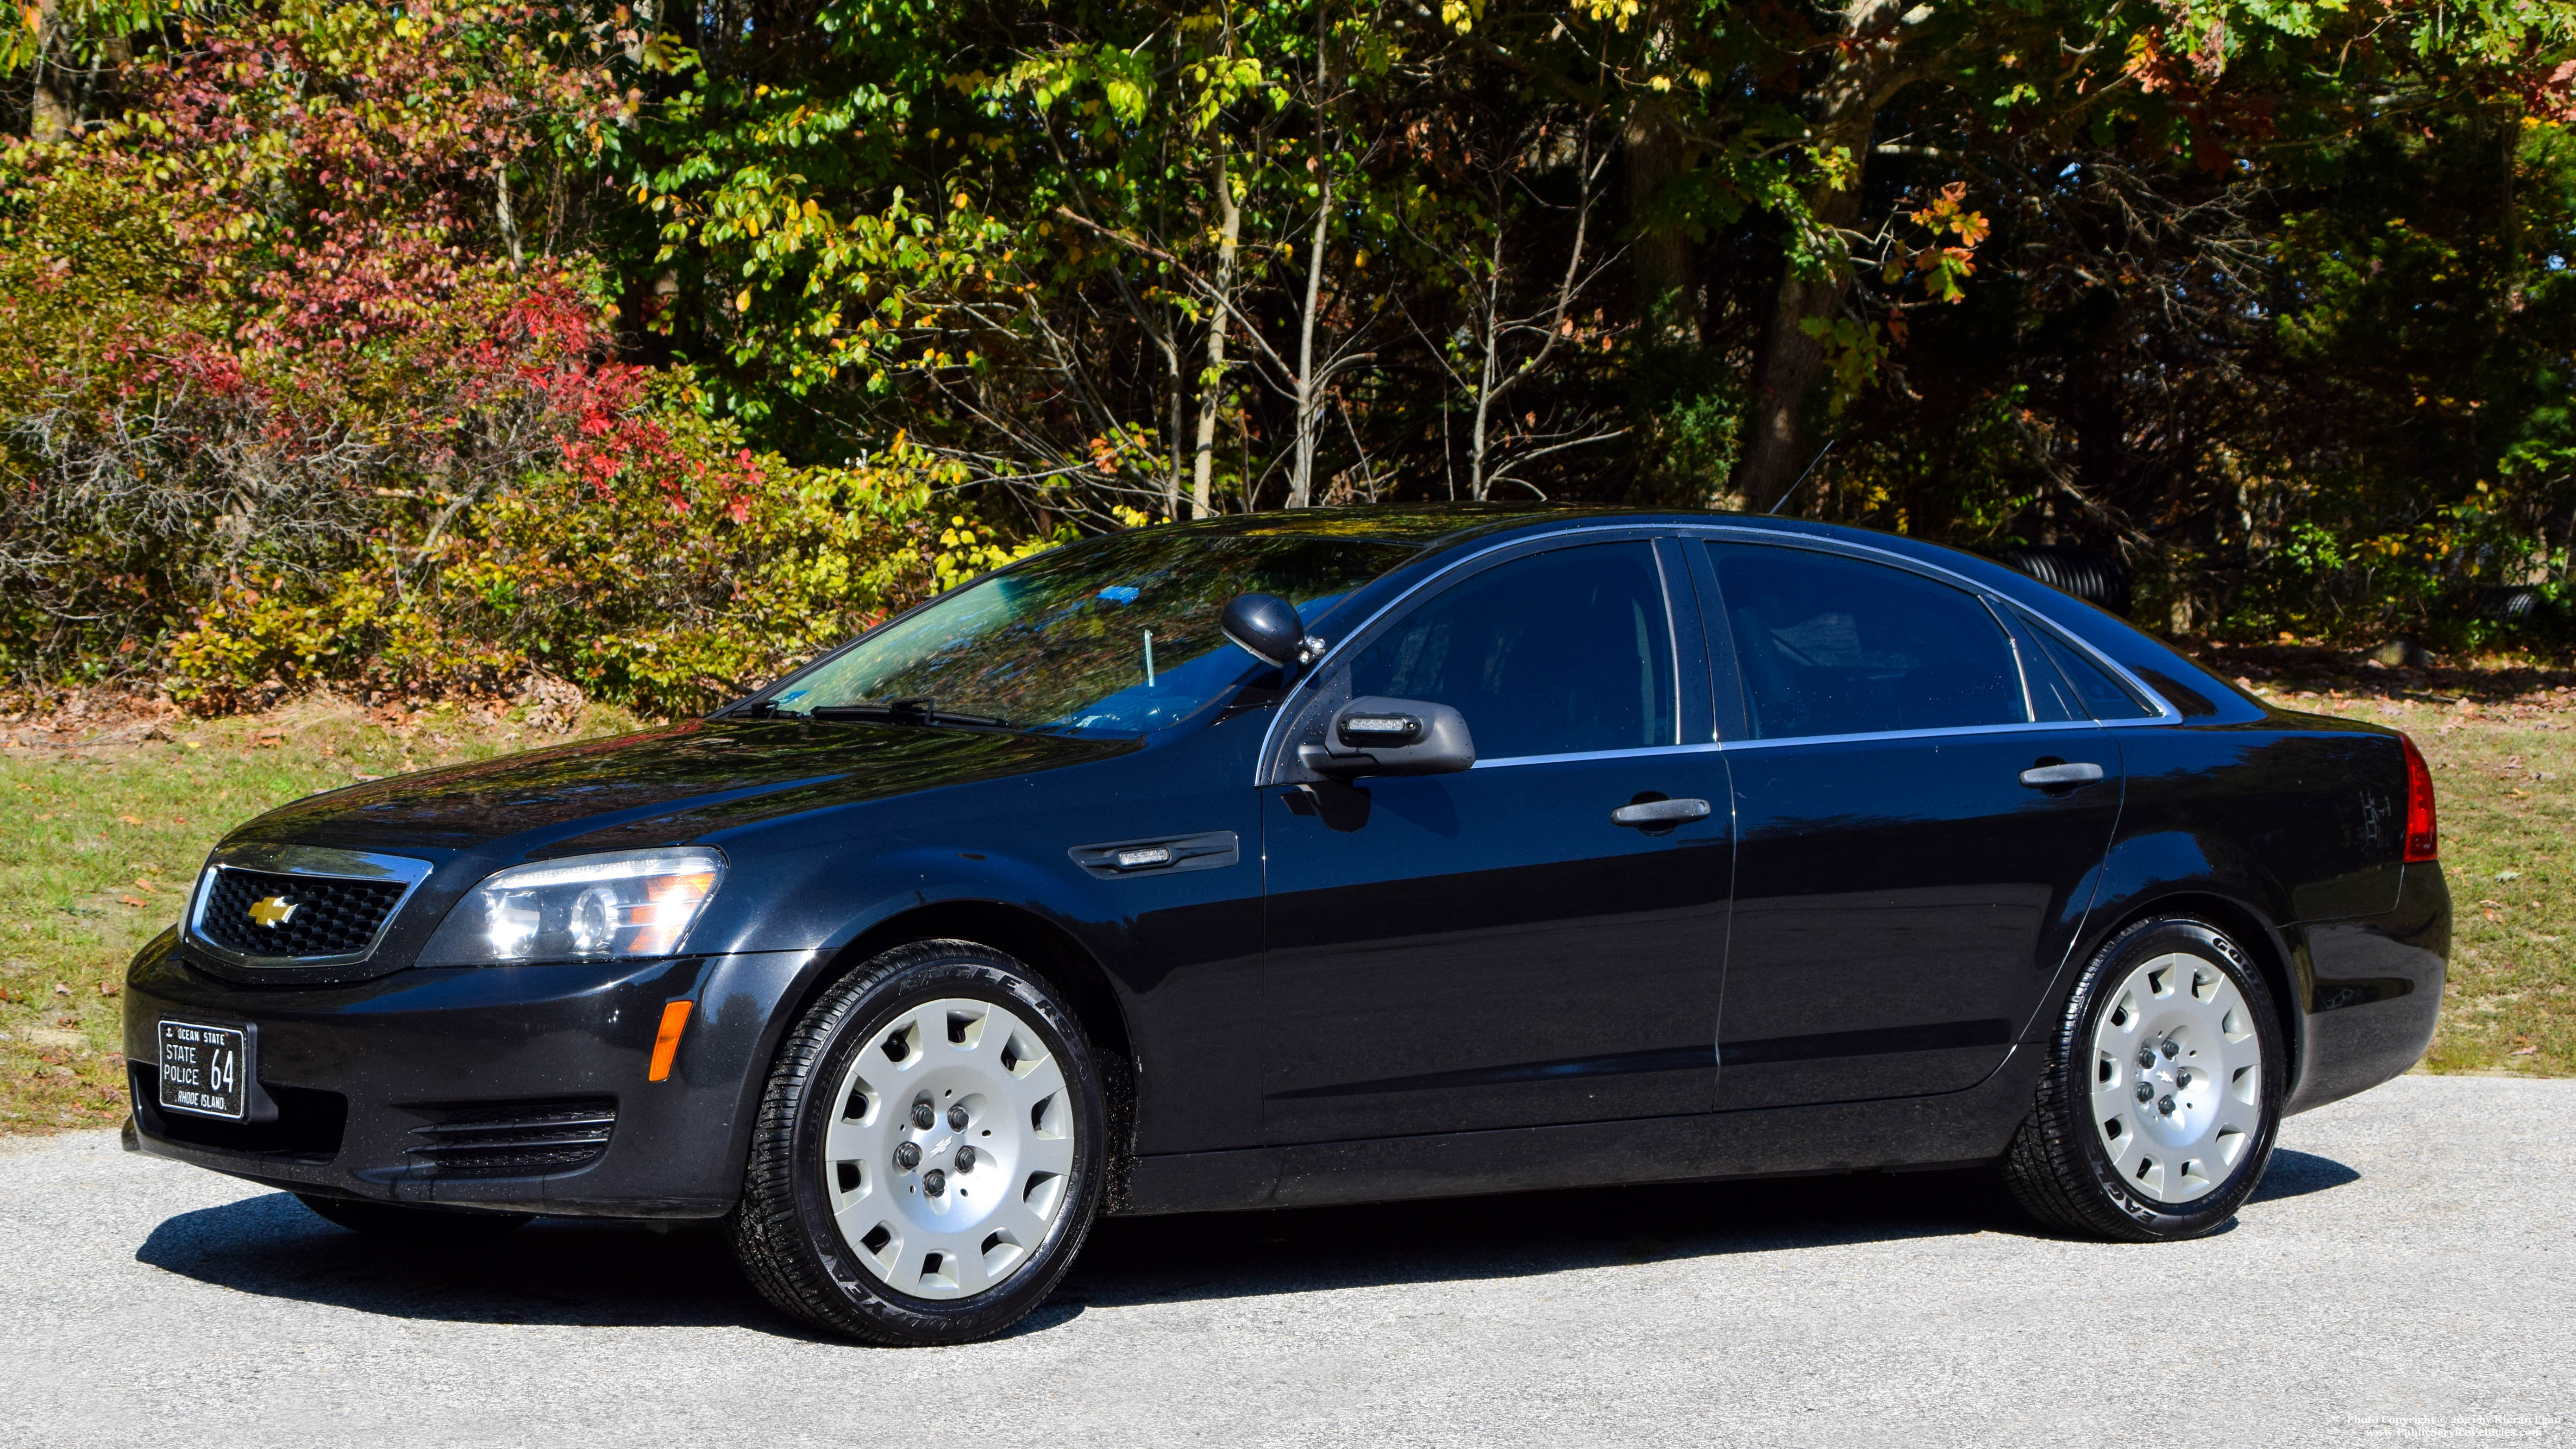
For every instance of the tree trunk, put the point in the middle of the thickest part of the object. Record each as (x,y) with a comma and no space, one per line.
(1301,476)
(502,215)
(1668,295)
(1488,368)
(1179,409)
(1779,443)
(1212,387)
(1301,472)
(50,113)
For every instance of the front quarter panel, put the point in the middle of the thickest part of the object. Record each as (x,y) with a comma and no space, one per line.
(1177,949)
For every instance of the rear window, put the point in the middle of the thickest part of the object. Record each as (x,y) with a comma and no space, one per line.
(1835,646)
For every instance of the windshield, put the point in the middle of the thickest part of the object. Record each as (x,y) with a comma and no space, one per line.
(1113,636)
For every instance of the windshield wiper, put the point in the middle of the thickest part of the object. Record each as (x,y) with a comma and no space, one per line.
(918,709)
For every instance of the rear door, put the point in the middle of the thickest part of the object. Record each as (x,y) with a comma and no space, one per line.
(1902,895)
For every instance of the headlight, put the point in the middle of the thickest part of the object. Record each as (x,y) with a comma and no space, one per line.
(586,908)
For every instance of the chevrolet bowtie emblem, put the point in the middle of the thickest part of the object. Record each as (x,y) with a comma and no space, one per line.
(273,912)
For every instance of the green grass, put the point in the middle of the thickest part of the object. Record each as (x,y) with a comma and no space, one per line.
(2508,817)
(2500,735)
(99,845)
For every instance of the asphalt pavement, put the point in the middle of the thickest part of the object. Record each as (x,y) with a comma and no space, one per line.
(2407,1273)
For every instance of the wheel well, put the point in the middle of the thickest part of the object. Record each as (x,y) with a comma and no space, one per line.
(1044,947)
(1047,948)
(2249,931)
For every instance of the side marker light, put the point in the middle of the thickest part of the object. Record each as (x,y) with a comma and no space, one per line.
(675,1015)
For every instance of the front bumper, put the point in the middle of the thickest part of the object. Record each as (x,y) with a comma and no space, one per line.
(504,1088)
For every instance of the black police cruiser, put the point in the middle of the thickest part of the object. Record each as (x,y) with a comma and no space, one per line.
(1317,858)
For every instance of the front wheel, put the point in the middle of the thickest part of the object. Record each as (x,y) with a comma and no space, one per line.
(2162,1096)
(929,1152)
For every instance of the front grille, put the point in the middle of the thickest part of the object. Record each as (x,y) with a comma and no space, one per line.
(520,1139)
(325,915)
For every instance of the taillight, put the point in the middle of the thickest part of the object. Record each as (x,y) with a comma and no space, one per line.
(2423,834)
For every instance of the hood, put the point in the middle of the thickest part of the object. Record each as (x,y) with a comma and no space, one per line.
(661,786)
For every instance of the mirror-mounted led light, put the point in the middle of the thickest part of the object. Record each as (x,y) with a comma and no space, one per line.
(1374,729)
(626,903)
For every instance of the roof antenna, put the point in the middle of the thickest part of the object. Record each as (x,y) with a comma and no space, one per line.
(1802,478)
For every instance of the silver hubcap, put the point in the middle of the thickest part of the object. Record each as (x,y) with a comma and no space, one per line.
(948,1159)
(2177,1078)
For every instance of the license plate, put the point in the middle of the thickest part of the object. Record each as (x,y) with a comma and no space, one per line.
(204,1069)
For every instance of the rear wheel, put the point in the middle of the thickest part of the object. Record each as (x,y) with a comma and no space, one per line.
(928,1156)
(2162,1096)
(395,1221)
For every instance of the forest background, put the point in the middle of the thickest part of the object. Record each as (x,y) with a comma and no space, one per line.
(430,350)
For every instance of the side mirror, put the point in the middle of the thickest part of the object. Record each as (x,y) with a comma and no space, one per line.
(1265,627)
(1373,735)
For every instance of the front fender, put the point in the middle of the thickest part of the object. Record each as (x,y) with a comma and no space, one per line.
(1166,964)
(909,880)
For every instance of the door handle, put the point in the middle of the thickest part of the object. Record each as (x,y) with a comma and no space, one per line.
(2058,777)
(1660,812)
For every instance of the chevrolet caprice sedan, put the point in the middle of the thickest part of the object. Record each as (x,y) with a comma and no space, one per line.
(1322,858)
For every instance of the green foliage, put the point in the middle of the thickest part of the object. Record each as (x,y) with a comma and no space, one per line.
(666,585)
(293,405)
(656,346)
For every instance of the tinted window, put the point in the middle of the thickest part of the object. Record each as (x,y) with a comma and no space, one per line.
(2103,696)
(2051,697)
(1558,653)
(1832,646)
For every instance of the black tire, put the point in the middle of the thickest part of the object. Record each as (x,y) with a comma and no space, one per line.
(2059,1168)
(784,1235)
(399,1223)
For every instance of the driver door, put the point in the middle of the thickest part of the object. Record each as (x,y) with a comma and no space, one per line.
(1489,949)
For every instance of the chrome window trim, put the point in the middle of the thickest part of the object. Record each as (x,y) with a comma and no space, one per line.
(2167,714)
(313,860)
(1294,701)
(2021,666)
(2025,728)
(1641,753)
(1723,746)
(1672,633)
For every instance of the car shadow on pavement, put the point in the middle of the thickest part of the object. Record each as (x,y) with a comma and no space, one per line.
(571,1272)
(2296,1174)
(1139,1260)
(554,1271)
